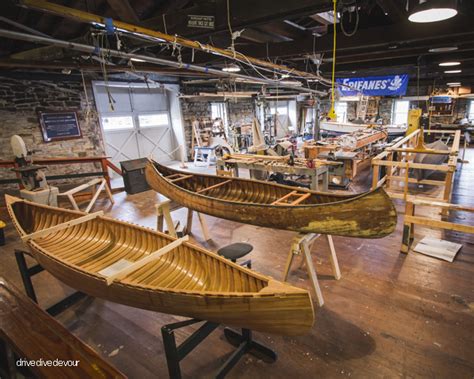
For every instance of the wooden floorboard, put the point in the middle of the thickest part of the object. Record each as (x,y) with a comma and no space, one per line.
(391,315)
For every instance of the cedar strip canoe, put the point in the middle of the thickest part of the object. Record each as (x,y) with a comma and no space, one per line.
(187,281)
(368,215)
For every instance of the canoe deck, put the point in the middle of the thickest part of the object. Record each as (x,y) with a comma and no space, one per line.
(187,280)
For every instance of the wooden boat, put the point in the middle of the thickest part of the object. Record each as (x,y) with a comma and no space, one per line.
(369,215)
(163,274)
(337,128)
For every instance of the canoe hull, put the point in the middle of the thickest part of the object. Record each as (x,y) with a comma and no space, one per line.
(277,308)
(345,218)
(286,315)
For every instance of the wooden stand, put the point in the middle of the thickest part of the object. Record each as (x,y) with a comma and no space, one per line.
(302,245)
(95,192)
(164,215)
(410,220)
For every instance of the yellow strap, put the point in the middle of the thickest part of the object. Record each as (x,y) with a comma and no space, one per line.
(332,113)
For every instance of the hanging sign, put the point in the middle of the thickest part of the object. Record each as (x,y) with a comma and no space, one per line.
(200,21)
(441,99)
(393,85)
(57,126)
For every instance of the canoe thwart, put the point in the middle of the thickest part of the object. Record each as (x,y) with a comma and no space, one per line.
(122,268)
(64,225)
(178,177)
(286,200)
(214,186)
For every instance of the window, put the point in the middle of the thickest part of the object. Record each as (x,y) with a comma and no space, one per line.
(470,116)
(151,120)
(219,110)
(117,122)
(279,107)
(400,112)
(341,111)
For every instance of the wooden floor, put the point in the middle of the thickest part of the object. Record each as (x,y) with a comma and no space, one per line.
(391,315)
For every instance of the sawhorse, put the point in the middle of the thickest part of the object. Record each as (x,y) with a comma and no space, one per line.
(301,245)
(163,210)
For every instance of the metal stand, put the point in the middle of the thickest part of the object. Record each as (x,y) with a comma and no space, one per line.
(243,342)
(28,272)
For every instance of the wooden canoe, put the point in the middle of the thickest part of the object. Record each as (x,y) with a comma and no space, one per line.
(368,215)
(187,281)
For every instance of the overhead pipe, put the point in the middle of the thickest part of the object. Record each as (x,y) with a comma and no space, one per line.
(148,34)
(119,54)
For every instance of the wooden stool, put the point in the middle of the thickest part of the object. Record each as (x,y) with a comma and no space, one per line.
(235,251)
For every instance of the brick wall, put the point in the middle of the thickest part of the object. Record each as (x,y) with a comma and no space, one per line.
(21,99)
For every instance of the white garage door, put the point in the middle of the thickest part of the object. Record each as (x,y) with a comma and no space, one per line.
(135,121)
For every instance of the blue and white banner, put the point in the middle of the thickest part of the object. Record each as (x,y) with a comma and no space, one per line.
(393,85)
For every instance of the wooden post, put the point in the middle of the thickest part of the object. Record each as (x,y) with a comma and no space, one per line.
(333,258)
(105,170)
(408,228)
(375,175)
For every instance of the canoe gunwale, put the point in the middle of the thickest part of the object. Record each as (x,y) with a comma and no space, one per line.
(291,290)
(343,200)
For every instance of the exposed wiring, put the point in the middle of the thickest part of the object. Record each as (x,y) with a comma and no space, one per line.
(346,9)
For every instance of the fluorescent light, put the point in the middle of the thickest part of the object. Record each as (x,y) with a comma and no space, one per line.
(231,68)
(454,84)
(443,49)
(450,64)
(285,76)
(432,11)
(453,71)
(137,60)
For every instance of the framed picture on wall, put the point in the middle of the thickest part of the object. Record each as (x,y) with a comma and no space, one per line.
(59,126)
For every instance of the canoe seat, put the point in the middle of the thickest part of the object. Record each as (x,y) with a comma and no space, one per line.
(235,251)
(292,198)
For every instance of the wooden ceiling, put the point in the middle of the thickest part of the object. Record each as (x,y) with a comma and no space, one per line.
(295,33)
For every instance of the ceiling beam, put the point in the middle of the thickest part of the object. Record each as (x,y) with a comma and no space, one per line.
(243,14)
(378,37)
(124,11)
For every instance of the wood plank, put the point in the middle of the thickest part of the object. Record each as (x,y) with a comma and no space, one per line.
(35,335)
(439,224)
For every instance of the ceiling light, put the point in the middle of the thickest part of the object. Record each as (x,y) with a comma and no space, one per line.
(231,68)
(453,71)
(443,49)
(137,60)
(285,76)
(450,64)
(454,84)
(433,11)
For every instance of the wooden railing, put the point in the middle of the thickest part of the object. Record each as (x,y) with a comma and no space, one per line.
(105,163)
(398,159)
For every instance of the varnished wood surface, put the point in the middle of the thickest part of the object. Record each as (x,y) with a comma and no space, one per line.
(186,281)
(34,335)
(390,316)
(367,215)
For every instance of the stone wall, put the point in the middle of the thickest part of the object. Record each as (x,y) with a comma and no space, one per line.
(239,111)
(20,102)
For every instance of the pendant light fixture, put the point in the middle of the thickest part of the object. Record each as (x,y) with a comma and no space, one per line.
(433,11)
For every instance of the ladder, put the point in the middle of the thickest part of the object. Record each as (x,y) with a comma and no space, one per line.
(362,108)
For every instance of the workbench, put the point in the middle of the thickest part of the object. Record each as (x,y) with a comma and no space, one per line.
(317,173)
